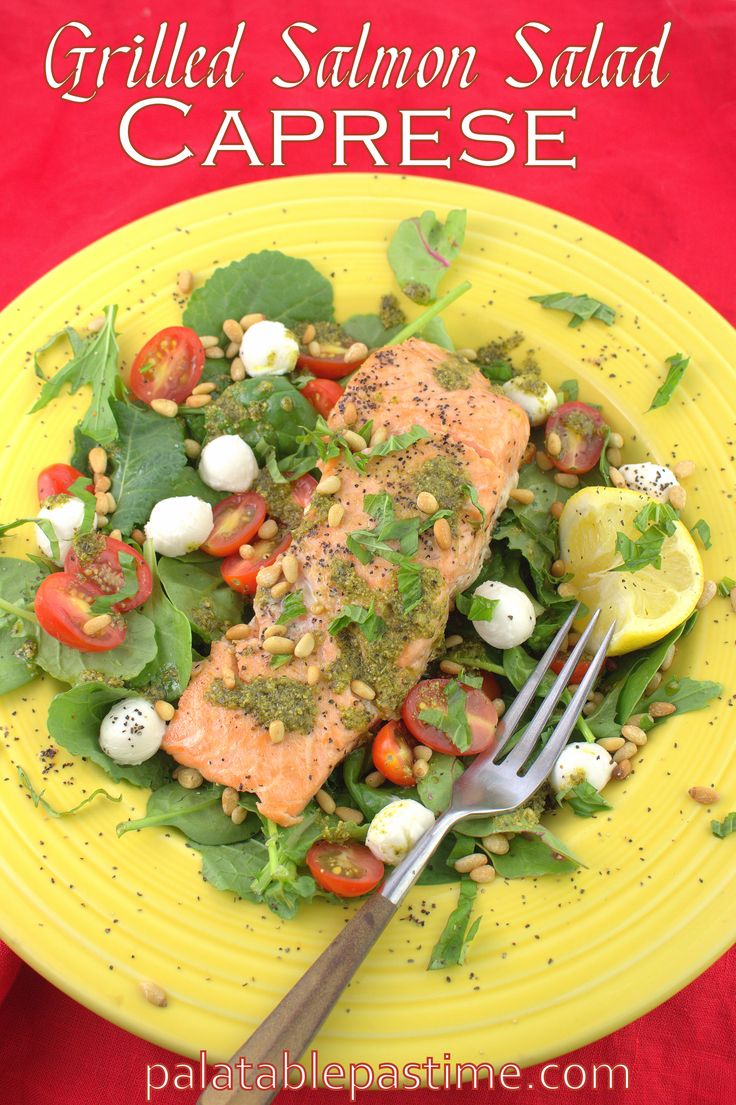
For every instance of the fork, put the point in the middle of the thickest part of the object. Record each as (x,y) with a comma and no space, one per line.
(493,784)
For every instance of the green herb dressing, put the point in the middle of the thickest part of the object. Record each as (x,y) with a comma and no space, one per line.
(276,699)
(453,374)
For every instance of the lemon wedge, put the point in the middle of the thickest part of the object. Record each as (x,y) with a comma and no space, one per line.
(646,604)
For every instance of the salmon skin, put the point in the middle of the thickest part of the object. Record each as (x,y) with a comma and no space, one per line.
(475,438)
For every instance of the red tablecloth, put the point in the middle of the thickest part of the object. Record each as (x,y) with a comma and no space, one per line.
(655,167)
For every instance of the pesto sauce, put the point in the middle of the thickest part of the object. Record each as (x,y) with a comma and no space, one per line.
(205,617)
(278,698)
(390,312)
(453,375)
(316,515)
(445,479)
(279,499)
(88,547)
(531,384)
(356,718)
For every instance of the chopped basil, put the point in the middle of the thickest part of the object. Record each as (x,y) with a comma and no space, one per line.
(725,827)
(370,624)
(453,722)
(103,604)
(292,608)
(581,307)
(702,529)
(677,365)
(655,522)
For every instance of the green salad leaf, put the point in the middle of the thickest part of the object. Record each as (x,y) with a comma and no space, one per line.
(676,370)
(196,813)
(452,946)
(19,581)
(584,799)
(194,585)
(267,413)
(539,852)
(145,462)
(452,721)
(685,694)
(639,669)
(166,676)
(702,529)
(422,250)
(368,800)
(127,660)
(581,307)
(435,789)
(724,828)
(370,330)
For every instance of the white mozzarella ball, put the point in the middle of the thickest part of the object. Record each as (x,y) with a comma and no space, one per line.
(131,731)
(179,525)
(66,514)
(654,480)
(533,395)
(581,762)
(396,828)
(513,618)
(268,349)
(228,463)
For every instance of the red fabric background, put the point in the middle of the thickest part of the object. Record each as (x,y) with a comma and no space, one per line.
(655,168)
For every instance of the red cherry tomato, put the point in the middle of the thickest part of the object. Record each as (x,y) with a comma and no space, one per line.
(168,366)
(303,490)
(237,520)
(104,575)
(430,693)
(392,754)
(347,870)
(322,394)
(580,429)
(491,687)
(328,367)
(577,672)
(62,606)
(57,479)
(241,574)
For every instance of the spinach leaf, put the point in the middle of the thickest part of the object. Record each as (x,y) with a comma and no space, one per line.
(370,330)
(436,332)
(368,800)
(123,662)
(584,799)
(685,694)
(146,460)
(676,370)
(539,854)
(724,828)
(19,581)
(267,413)
(233,866)
(476,608)
(581,307)
(188,482)
(74,723)
(638,673)
(195,586)
(94,362)
(167,674)
(521,820)
(422,250)
(439,871)
(284,289)
(435,789)
(37,797)
(196,813)
(603,722)
(452,946)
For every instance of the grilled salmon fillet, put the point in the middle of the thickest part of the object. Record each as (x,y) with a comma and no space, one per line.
(329,699)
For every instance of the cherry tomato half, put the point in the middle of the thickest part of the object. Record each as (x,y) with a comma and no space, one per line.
(62,606)
(577,672)
(57,479)
(331,366)
(303,490)
(168,366)
(322,394)
(347,870)
(237,520)
(491,687)
(241,574)
(103,574)
(430,694)
(580,429)
(392,753)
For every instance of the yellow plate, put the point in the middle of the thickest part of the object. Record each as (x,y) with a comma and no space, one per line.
(557,961)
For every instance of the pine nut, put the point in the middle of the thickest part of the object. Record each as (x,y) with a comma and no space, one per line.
(153,993)
(427,503)
(138,536)
(346,813)
(194,402)
(355,440)
(442,533)
(358,351)
(209,341)
(621,770)
(705,795)
(101,502)
(662,709)
(565,591)
(500,706)
(556,508)
(273,631)
(164,709)
(230,799)
(449,667)
(328,485)
(112,505)
(496,843)
(205,388)
(304,646)
(167,408)
(95,324)
(228,679)
(96,625)
(529,453)
(468,863)
(246,552)
(185,281)
(314,348)
(280,589)
(669,658)
(325,801)
(313,675)
(378,437)
(362,690)
(639,738)
(277,731)
(614,456)
(616,440)
(468,354)
(97,460)
(522,495)
(625,752)
(290,567)
(237,370)
(116,534)
(232,350)
(543,461)
(421,752)
(732,598)
(232,330)
(214,353)
(189,778)
(310,333)
(238,632)
(250,320)
(558,568)
(566,479)
(350,413)
(268,530)
(420,769)
(677,497)
(192,448)
(374,780)
(553,444)
(453,640)
(238,815)
(615,477)
(633,734)
(483,874)
(269,575)
(335,514)
(279,646)
(102,483)
(683,469)
(611,744)
(709,591)
(589,709)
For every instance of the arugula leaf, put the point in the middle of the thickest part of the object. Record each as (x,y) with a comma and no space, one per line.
(685,694)
(196,813)
(69,665)
(103,604)
(422,250)
(452,946)
(436,332)
(233,867)
(292,608)
(702,529)
(584,799)
(94,362)
(46,527)
(284,289)
(677,365)
(475,607)
(724,828)
(330,444)
(454,720)
(195,586)
(581,307)
(371,625)
(166,676)
(37,797)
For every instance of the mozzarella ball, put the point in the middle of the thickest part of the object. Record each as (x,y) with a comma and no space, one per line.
(533,395)
(179,525)
(66,514)
(228,463)
(396,828)
(513,618)
(581,762)
(654,480)
(131,731)
(268,349)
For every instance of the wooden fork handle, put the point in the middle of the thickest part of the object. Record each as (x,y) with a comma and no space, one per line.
(298,1017)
